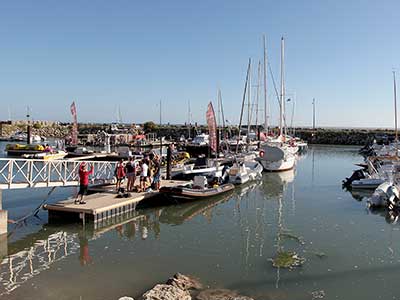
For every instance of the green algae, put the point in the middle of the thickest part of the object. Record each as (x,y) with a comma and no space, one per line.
(287,259)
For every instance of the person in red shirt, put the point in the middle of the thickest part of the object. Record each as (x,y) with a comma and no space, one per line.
(83,182)
(120,174)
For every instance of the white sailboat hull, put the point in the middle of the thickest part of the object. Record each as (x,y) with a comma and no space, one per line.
(280,165)
(276,158)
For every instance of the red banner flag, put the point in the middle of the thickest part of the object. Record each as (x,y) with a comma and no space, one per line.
(212,127)
(74,133)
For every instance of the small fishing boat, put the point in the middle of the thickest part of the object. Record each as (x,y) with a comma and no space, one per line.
(198,190)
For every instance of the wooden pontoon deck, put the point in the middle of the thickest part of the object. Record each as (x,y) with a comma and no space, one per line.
(102,204)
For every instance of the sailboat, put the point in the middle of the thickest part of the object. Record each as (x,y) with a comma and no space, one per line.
(277,155)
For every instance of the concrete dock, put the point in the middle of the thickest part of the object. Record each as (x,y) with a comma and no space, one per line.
(103,203)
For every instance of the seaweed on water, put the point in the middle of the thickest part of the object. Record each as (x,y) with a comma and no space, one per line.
(318,254)
(287,234)
(287,259)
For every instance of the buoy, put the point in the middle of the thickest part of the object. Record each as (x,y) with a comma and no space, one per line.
(262,153)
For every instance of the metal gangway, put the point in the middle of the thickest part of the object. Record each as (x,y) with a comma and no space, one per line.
(35,173)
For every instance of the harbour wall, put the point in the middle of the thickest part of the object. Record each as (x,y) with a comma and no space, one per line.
(328,136)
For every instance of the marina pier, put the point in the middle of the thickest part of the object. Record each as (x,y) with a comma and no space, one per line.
(103,204)
(32,173)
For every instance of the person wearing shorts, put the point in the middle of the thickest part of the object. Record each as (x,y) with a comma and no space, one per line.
(157,173)
(83,182)
(143,175)
(131,174)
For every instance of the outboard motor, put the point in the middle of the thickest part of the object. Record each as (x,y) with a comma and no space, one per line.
(393,197)
(357,175)
(386,195)
(225,175)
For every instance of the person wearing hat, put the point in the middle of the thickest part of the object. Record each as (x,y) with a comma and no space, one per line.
(83,182)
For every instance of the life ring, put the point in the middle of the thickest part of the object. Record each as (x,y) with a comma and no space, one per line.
(262,153)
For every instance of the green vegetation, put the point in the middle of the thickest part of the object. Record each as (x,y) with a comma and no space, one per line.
(150,126)
(287,259)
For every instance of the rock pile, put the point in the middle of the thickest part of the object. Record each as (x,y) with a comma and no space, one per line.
(184,287)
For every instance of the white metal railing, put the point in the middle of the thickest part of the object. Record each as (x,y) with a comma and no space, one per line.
(30,173)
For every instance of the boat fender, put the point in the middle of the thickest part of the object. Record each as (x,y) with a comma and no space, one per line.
(262,153)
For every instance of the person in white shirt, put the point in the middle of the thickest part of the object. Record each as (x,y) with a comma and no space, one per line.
(144,175)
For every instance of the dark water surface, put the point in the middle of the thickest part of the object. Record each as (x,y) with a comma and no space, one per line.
(226,242)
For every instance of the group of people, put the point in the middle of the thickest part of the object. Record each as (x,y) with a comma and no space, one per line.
(148,168)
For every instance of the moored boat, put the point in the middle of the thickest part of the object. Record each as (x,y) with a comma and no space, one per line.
(198,190)
(275,159)
(20,149)
(242,172)
(54,155)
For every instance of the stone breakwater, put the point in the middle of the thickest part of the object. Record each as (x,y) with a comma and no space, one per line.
(319,136)
(344,136)
(52,131)
(327,136)
(183,287)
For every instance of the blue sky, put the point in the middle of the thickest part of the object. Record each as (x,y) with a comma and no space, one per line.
(105,54)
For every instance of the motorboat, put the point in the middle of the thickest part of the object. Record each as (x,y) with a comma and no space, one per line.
(238,173)
(21,149)
(201,140)
(302,145)
(254,169)
(53,155)
(242,172)
(202,166)
(367,183)
(387,195)
(197,190)
(276,158)
(19,136)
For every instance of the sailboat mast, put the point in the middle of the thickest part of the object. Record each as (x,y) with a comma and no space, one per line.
(189,125)
(222,108)
(258,91)
(265,89)
(160,113)
(282,108)
(395,105)
(249,102)
(243,101)
(313,120)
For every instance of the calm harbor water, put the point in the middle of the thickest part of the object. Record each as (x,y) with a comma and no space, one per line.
(226,242)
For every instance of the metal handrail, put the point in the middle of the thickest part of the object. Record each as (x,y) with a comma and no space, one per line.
(31,173)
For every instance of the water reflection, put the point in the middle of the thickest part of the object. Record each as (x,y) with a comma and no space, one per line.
(227,242)
(360,194)
(51,245)
(23,265)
